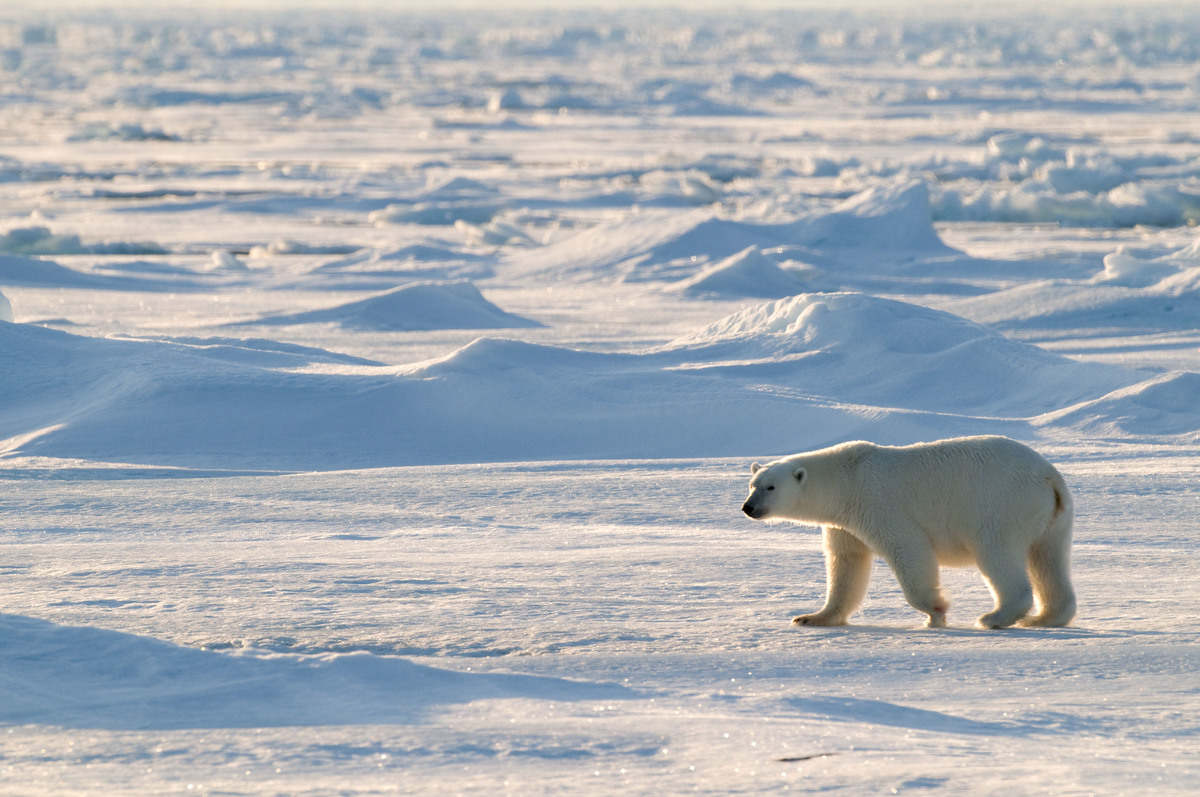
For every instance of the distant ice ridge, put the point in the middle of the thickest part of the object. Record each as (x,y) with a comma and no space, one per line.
(1057,55)
(1027,179)
(41,241)
(453,200)
(126,131)
(6,313)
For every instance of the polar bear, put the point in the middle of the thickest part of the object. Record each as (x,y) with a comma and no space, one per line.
(987,501)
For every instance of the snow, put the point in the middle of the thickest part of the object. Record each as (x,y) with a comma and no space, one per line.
(748,273)
(421,305)
(184,687)
(378,394)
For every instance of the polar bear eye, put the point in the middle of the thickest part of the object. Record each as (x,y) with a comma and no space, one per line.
(770,487)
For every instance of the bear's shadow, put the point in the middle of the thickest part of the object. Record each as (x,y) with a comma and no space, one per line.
(962,631)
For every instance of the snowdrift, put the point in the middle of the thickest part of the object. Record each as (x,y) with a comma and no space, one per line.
(885,226)
(1131,294)
(825,366)
(178,687)
(422,306)
(887,353)
(891,221)
(747,273)
(381,270)
(1162,406)
(16,270)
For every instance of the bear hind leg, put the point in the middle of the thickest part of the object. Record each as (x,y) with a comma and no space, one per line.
(848,569)
(1050,569)
(1006,577)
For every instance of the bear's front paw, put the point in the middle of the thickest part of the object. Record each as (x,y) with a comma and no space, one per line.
(818,619)
(937,615)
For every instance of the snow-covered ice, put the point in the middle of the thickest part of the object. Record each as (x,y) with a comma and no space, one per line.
(378,391)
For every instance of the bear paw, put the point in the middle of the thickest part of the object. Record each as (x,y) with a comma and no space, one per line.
(936,619)
(993,621)
(820,619)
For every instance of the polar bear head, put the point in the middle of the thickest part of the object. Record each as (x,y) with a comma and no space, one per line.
(808,487)
(774,489)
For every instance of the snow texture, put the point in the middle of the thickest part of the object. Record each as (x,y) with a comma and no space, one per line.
(420,306)
(378,392)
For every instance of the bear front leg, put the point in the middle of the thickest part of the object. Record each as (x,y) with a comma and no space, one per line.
(847,569)
(916,568)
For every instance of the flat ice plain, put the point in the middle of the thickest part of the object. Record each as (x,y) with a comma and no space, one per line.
(378,392)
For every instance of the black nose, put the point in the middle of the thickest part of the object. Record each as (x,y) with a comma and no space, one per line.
(748,508)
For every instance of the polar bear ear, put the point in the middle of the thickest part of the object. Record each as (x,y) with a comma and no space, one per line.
(800,473)
(754,468)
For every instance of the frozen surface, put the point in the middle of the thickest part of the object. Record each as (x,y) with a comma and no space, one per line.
(377,394)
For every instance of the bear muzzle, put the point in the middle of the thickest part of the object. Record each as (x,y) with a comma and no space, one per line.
(751,510)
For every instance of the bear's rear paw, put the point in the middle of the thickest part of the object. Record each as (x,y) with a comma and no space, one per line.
(996,620)
(819,619)
(1044,621)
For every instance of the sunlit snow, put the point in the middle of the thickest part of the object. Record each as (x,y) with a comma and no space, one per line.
(378,390)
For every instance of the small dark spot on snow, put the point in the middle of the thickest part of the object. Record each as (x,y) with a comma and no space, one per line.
(793,759)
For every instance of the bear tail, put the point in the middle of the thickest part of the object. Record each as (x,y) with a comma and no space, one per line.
(1050,564)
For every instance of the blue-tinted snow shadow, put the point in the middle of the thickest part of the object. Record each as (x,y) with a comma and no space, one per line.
(31,272)
(880,712)
(921,632)
(86,677)
(893,715)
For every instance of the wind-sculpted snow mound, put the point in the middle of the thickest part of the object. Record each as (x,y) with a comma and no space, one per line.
(6,313)
(894,354)
(35,272)
(422,306)
(822,366)
(888,226)
(169,403)
(174,401)
(1147,295)
(747,273)
(1162,407)
(889,218)
(484,356)
(837,321)
(179,687)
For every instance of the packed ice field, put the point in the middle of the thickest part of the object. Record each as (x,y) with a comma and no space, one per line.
(379,389)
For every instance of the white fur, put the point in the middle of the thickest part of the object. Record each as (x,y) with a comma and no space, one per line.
(987,501)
